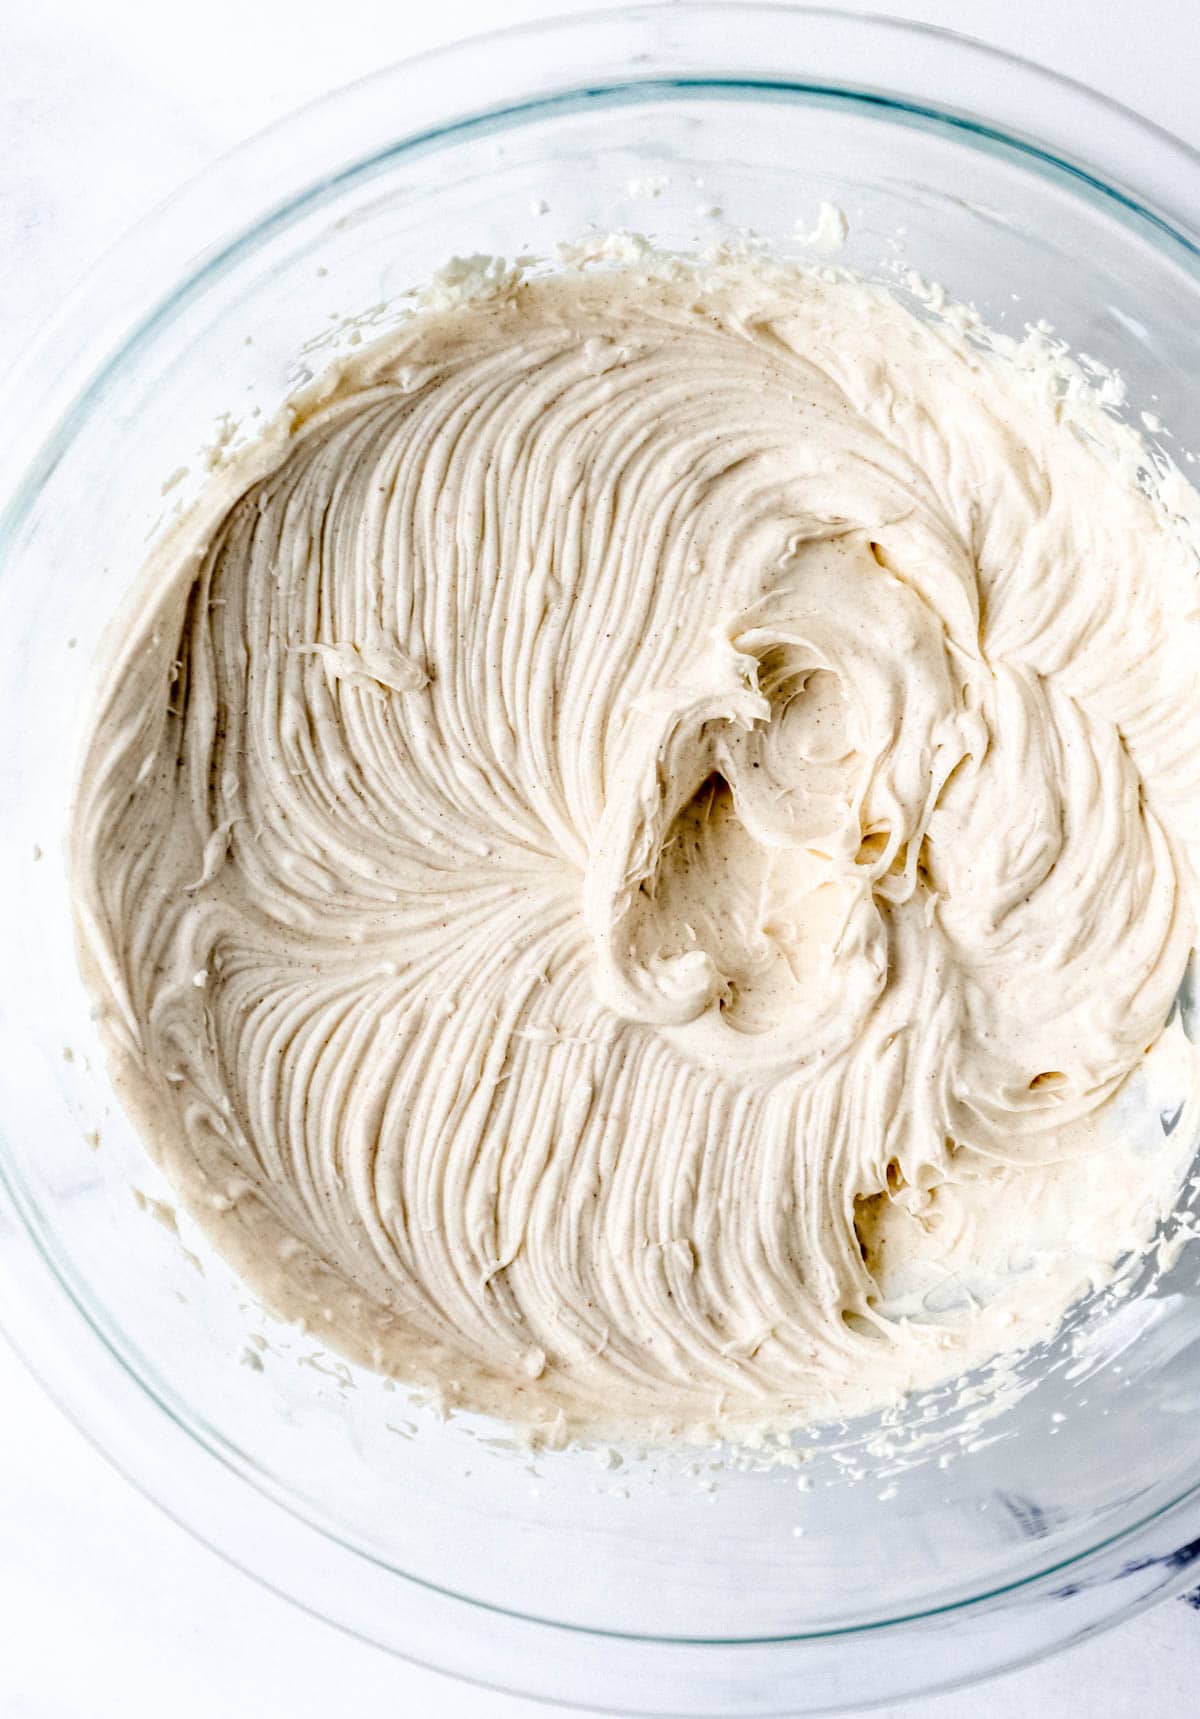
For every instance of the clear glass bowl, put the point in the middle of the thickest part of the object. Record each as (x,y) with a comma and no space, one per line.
(660,1585)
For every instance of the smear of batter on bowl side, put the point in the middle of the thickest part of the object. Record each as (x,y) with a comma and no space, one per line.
(636,850)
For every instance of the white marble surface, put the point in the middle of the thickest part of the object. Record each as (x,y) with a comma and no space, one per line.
(107,1610)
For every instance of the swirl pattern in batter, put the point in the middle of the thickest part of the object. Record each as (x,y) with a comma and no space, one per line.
(633,847)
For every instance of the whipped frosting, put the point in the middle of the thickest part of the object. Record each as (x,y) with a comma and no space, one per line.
(635,850)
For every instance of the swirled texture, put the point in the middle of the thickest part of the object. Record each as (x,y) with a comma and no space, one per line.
(633,846)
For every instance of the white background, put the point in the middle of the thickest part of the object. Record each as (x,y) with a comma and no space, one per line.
(107,1610)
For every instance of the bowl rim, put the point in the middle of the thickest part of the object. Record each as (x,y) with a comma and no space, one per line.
(142,280)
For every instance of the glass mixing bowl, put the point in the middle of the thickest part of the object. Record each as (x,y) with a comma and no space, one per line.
(912,1554)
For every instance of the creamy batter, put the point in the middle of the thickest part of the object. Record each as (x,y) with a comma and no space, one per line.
(633,850)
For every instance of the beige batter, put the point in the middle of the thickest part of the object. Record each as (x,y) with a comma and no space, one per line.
(633,849)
